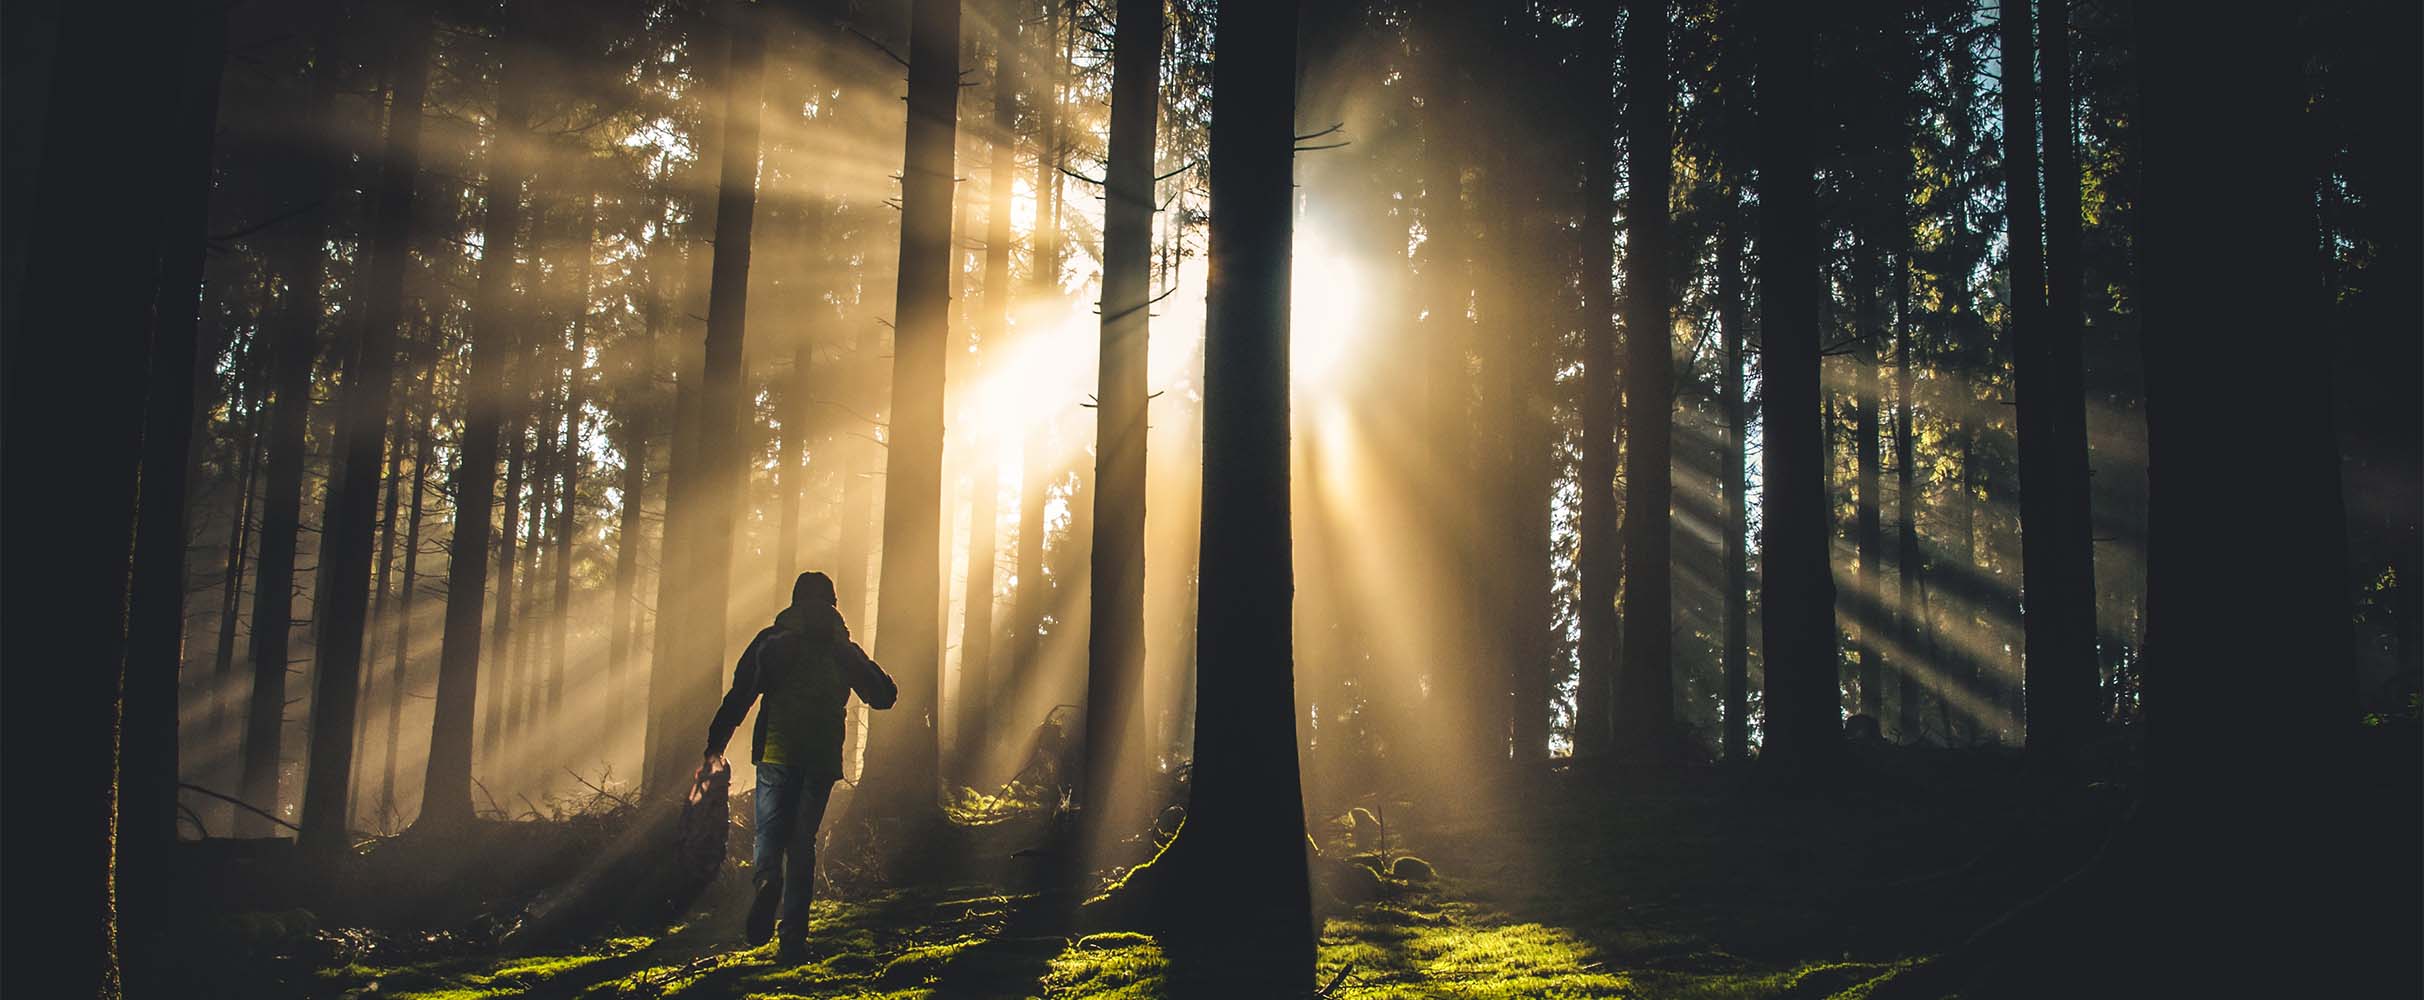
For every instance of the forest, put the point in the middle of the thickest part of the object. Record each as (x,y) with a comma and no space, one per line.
(1270,498)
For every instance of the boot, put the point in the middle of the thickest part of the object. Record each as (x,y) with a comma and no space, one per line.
(762,908)
(791,944)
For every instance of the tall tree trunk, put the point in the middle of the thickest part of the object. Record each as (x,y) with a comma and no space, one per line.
(1910,611)
(722,477)
(1797,588)
(573,458)
(1115,646)
(1033,594)
(2050,389)
(1602,555)
(2060,652)
(668,746)
(155,641)
(978,628)
(446,793)
(1730,482)
(362,430)
(78,319)
(401,671)
(239,543)
(1868,532)
(2219,214)
(301,265)
(638,426)
(1247,926)
(797,402)
(902,750)
(1645,702)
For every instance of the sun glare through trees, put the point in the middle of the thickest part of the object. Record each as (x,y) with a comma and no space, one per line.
(1212,498)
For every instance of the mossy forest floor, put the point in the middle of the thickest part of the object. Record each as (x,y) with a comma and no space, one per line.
(1715,887)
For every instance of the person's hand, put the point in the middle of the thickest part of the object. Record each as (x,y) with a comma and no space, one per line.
(708,765)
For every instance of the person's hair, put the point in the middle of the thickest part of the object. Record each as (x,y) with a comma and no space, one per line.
(813,588)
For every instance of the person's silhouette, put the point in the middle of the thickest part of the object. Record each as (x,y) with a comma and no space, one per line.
(803,668)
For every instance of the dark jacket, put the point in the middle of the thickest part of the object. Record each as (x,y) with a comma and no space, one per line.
(800,635)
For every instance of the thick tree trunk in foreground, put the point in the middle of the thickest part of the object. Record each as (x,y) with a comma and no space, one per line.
(2225,231)
(1645,700)
(1241,911)
(155,643)
(1797,587)
(362,432)
(1115,646)
(446,793)
(79,329)
(902,744)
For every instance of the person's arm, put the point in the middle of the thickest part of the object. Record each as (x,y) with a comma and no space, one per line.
(873,685)
(736,701)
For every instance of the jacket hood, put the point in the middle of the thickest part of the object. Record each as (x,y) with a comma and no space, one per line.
(813,620)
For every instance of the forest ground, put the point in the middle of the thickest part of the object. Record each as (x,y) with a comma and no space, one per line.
(1720,885)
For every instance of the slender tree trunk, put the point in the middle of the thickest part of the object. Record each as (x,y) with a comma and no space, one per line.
(362,429)
(446,793)
(1730,482)
(1645,702)
(300,267)
(1036,473)
(239,543)
(401,672)
(1868,532)
(978,628)
(1602,556)
(1248,924)
(1115,648)
(638,430)
(573,461)
(902,750)
(1910,612)
(1796,594)
(797,403)
(2050,382)
(722,478)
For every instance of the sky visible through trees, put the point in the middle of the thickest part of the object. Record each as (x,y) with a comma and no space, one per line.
(1432,427)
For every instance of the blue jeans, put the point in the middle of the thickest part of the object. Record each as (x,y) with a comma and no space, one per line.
(790,807)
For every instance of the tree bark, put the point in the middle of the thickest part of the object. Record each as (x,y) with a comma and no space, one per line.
(1735,656)
(1602,556)
(902,748)
(1797,587)
(402,670)
(446,793)
(1247,926)
(362,431)
(1645,702)
(1115,647)
(1868,532)
(2050,389)
(301,266)
(155,642)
